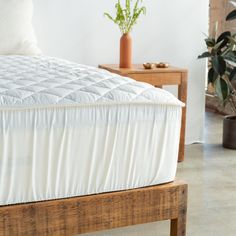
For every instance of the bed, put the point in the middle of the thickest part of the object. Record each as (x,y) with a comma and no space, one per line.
(82,144)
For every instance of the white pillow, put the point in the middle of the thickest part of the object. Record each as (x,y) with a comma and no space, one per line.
(16,30)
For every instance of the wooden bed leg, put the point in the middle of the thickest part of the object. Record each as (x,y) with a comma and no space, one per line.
(178,226)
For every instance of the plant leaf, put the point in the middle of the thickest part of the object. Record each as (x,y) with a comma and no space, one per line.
(223,36)
(204,55)
(224,39)
(232,75)
(219,65)
(212,76)
(232,40)
(222,89)
(231,15)
(230,56)
(127,16)
(217,47)
(210,42)
(109,16)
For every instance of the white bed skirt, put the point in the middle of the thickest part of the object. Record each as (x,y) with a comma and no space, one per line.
(65,151)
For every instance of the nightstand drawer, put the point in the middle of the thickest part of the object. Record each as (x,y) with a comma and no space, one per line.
(158,79)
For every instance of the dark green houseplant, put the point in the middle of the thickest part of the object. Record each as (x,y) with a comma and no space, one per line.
(222,75)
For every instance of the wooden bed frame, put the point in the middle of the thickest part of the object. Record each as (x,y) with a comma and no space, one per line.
(91,213)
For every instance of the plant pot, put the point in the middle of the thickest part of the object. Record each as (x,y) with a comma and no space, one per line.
(126,51)
(229,132)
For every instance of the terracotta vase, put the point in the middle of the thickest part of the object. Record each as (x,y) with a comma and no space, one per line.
(126,51)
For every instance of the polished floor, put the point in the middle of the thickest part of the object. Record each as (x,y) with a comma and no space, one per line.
(210,172)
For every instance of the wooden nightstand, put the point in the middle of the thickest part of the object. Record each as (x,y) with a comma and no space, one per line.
(159,77)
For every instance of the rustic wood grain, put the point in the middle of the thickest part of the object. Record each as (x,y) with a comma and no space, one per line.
(160,77)
(182,95)
(85,214)
(178,225)
(138,69)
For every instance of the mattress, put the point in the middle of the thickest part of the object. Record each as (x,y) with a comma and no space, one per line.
(69,130)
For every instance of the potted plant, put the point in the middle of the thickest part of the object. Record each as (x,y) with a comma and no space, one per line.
(126,17)
(222,75)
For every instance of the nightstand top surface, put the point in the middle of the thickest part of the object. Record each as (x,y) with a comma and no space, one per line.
(138,69)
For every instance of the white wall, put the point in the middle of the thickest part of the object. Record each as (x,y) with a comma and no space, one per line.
(172,31)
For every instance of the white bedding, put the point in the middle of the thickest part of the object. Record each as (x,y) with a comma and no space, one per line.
(69,130)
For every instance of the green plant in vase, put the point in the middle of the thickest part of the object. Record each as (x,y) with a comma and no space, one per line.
(126,17)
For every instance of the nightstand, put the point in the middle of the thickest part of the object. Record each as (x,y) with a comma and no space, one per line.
(159,77)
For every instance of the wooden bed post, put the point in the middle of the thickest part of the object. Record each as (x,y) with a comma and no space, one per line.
(92,213)
(178,225)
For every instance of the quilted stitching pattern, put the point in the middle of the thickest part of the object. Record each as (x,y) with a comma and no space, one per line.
(39,80)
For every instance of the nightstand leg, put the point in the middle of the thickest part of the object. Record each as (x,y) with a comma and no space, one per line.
(182,95)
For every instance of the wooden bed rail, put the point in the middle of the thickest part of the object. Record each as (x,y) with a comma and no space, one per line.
(85,214)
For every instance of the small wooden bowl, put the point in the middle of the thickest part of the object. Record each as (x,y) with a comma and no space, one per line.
(148,66)
(162,65)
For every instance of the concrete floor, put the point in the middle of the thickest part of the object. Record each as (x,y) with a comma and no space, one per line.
(210,172)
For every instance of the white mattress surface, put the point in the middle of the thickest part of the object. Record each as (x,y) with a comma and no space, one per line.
(30,81)
(69,130)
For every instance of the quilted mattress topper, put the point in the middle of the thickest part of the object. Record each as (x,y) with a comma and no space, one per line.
(40,80)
